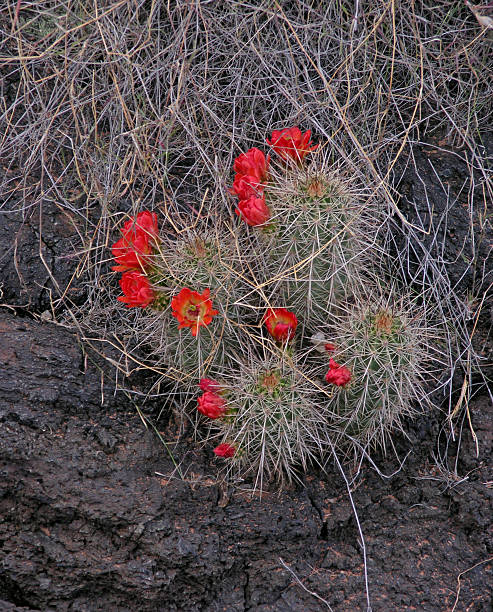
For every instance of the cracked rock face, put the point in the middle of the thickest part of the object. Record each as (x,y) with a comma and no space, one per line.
(96,517)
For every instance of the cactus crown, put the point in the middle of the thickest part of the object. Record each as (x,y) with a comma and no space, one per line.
(384,324)
(270,382)
(324,187)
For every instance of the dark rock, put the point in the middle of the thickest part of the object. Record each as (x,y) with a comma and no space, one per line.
(88,524)
(38,257)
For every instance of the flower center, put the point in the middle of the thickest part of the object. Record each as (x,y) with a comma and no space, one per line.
(192,311)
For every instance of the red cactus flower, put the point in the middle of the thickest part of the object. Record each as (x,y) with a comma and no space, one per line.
(193,309)
(225,450)
(207,384)
(253,163)
(211,405)
(254,211)
(337,374)
(330,347)
(246,186)
(137,290)
(291,143)
(281,324)
(132,251)
(144,222)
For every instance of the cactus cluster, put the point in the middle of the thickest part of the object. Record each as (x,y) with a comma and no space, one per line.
(279,314)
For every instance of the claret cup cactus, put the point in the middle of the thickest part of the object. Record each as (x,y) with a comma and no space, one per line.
(274,419)
(316,241)
(277,313)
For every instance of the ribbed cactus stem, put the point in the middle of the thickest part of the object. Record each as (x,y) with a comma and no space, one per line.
(215,259)
(315,242)
(386,352)
(276,424)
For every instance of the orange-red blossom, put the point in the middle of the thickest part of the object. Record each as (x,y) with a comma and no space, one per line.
(140,235)
(253,163)
(137,290)
(254,211)
(291,143)
(338,374)
(225,450)
(192,309)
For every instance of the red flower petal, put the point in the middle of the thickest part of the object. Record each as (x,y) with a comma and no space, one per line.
(254,211)
(211,405)
(337,375)
(208,384)
(225,450)
(291,143)
(132,251)
(253,163)
(246,186)
(137,290)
